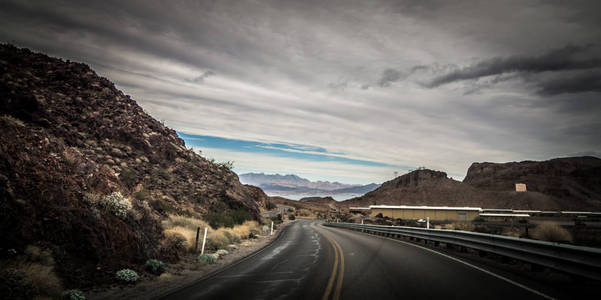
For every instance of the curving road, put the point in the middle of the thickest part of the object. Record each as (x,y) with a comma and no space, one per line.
(310,261)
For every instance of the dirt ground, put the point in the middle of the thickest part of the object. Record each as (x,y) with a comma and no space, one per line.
(180,274)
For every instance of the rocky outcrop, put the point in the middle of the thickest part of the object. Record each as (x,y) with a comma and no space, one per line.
(577,179)
(322,200)
(69,137)
(558,184)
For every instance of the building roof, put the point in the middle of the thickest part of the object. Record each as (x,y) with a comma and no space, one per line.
(425,207)
(498,209)
(522,211)
(505,215)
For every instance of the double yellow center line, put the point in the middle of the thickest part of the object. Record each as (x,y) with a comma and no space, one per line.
(338,268)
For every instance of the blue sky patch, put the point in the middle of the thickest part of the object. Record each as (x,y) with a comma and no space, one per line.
(276,149)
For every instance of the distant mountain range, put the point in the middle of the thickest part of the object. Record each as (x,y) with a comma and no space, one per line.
(295,187)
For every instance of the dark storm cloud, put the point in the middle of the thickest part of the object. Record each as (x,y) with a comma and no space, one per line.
(355,67)
(579,83)
(565,59)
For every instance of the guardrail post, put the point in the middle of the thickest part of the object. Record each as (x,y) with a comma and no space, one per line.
(196,244)
(204,241)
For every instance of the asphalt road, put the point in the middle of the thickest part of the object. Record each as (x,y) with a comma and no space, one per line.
(310,261)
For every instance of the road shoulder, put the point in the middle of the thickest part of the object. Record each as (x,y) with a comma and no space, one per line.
(184,273)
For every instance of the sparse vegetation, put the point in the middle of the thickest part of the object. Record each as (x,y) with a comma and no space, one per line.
(29,275)
(116,204)
(73,295)
(127,275)
(9,120)
(551,232)
(270,205)
(227,164)
(185,227)
(207,259)
(228,218)
(155,266)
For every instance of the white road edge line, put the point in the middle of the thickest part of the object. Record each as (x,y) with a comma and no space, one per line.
(475,267)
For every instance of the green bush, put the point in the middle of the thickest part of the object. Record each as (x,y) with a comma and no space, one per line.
(228,218)
(291,217)
(73,295)
(127,275)
(269,205)
(207,259)
(155,266)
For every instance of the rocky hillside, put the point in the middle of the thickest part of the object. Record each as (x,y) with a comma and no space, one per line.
(69,140)
(559,184)
(576,179)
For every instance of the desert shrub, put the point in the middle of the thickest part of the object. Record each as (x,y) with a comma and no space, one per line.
(217,220)
(231,236)
(92,199)
(464,226)
(9,120)
(186,222)
(551,232)
(207,259)
(217,239)
(163,206)
(127,275)
(247,229)
(142,195)
(277,219)
(270,205)
(35,254)
(228,218)
(155,266)
(42,278)
(69,158)
(185,235)
(173,246)
(116,204)
(291,217)
(227,164)
(240,215)
(128,177)
(222,252)
(73,295)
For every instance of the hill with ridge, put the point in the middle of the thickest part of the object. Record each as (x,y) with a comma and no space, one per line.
(559,184)
(70,139)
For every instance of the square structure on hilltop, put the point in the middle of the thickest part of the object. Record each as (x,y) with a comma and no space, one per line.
(520,187)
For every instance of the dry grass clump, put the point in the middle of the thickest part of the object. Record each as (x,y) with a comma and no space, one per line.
(464,226)
(187,222)
(216,238)
(11,121)
(551,232)
(34,271)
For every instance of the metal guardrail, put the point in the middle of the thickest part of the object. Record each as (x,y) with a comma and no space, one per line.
(577,260)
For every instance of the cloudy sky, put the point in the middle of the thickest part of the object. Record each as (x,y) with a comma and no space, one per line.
(343,90)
